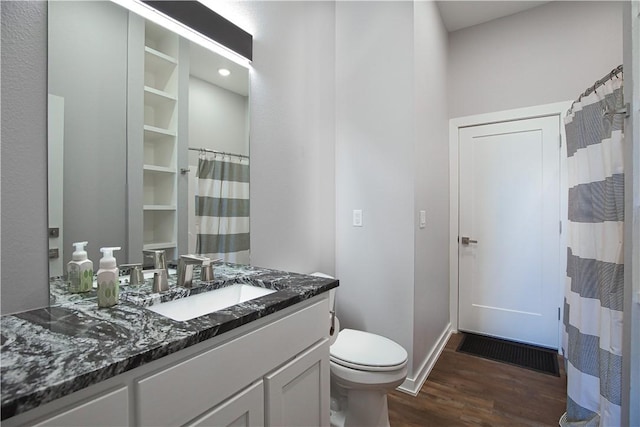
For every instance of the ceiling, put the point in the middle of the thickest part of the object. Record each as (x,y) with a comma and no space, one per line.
(462,14)
(204,64)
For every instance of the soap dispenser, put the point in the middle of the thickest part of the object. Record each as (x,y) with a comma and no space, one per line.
(108,279)
(80,270)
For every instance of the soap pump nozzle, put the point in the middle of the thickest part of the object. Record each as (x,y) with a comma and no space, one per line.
(107,260)
(79,254)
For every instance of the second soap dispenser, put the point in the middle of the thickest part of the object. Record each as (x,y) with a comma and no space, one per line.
(80,270)
(108,279)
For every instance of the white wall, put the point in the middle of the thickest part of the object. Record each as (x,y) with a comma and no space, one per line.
(292,132)
(547,54)
(431,292)
(374,167)
(388,155)
(391,161)
(24,283)
(217,119)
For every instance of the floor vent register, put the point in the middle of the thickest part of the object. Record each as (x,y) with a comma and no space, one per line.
(527,356)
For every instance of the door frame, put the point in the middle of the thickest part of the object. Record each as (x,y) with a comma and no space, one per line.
(555,109)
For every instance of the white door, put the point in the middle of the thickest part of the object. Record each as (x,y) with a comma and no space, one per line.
(509,230)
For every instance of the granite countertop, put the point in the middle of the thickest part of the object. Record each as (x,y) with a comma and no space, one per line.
(50,352)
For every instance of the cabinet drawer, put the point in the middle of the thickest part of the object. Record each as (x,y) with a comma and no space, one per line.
(177,394)
(111,409)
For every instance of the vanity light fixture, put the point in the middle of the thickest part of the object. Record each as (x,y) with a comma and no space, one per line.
(148,12)
(224,72)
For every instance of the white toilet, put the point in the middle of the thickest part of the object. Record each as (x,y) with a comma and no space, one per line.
(364,367)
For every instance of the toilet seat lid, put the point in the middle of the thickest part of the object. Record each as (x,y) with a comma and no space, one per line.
(359,349)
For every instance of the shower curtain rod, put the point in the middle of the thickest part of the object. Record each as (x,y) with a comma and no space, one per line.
(208,150)
(613,73)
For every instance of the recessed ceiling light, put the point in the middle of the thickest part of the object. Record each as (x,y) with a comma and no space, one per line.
(223,72)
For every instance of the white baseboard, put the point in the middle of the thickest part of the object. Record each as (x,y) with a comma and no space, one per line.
(413,385)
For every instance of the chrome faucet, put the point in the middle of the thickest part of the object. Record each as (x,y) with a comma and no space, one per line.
(185,268)
(160,283)
(159,263)
(135,273)
(206,272)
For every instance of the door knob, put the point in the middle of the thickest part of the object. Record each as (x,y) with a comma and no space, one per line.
(466,240)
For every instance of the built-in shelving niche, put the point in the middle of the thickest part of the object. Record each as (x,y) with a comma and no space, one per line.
(160,139)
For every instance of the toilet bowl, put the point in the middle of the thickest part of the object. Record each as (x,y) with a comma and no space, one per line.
(363,367)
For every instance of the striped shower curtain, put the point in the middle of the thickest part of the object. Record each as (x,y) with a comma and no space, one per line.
(222,207)
(593,304)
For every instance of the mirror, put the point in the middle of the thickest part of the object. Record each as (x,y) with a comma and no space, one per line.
(133,109)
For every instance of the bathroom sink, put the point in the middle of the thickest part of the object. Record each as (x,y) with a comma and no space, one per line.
(207,302)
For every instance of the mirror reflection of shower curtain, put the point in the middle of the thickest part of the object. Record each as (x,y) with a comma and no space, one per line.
(594,290)
(222,207)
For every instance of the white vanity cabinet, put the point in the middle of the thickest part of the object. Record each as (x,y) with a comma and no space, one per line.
(242,410)
(110,409)
(296,394)
(273,372)
(178,394)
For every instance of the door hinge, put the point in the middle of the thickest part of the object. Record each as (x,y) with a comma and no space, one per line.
(558,313)
(560,139)
(560,227)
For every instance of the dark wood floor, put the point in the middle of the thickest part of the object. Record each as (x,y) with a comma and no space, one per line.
(465,390)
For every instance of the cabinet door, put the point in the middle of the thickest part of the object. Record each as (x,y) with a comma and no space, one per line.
(111,409)
(242,410)
(297,394)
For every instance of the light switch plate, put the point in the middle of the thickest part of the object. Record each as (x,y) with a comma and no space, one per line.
(423,219)
(357,218)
